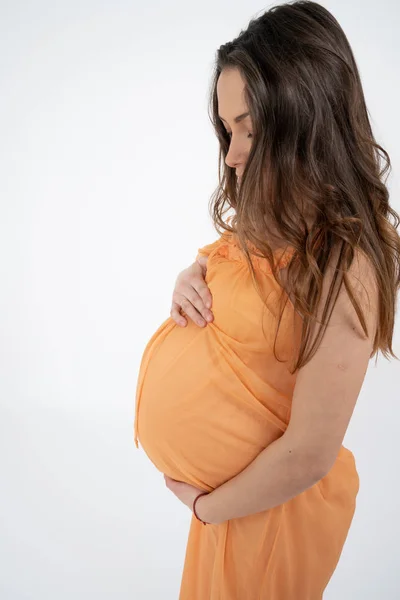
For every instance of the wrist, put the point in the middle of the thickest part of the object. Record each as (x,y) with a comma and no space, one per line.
(203,509)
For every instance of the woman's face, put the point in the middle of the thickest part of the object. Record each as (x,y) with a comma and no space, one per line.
(233,113)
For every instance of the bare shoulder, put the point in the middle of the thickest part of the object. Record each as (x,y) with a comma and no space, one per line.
(362,278)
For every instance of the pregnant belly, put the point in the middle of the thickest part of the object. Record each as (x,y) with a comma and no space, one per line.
(198,417)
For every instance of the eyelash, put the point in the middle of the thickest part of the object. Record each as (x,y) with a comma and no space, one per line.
(230,135)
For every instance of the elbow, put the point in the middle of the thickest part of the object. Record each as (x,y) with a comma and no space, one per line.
(311,468)
(318,468)
(313,465)
(320,465)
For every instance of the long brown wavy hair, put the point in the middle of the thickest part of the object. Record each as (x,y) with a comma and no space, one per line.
(313,172)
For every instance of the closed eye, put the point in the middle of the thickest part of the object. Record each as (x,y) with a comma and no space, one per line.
(229,134)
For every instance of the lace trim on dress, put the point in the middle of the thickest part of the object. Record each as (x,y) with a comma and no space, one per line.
(228,246)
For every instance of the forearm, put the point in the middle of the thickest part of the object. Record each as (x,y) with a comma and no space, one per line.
(276,475)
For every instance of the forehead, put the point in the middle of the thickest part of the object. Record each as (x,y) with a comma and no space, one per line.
(230,93)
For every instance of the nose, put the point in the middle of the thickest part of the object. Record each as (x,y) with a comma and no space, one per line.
(238,165)
(232,161)
(235,159)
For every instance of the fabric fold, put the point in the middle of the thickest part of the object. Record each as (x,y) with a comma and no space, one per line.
(208,401)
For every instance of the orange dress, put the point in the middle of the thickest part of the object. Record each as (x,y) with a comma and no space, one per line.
(208,401)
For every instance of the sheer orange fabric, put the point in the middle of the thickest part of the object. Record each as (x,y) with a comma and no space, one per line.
(208,401)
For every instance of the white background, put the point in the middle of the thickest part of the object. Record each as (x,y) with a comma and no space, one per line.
(108,161)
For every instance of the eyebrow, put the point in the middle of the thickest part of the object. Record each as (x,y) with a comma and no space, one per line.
(237,119)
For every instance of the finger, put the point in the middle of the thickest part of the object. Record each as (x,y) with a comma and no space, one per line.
(192,313)
(190,310)
(203,291)
(191,295)
(176,314)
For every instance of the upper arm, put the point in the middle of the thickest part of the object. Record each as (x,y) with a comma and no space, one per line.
(327,387)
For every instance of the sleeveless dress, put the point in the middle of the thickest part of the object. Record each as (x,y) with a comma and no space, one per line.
(208,401)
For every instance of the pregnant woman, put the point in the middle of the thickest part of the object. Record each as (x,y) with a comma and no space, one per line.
(245,413)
